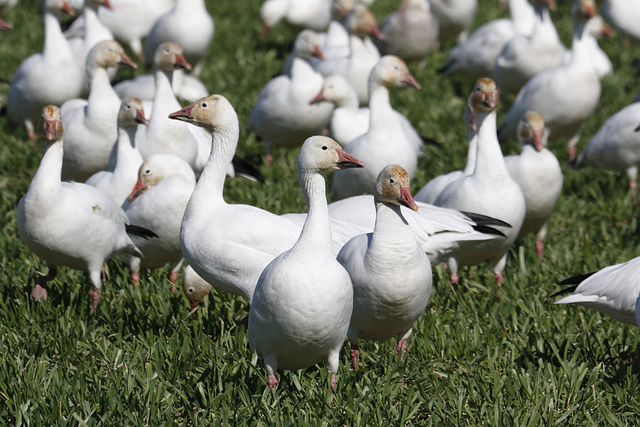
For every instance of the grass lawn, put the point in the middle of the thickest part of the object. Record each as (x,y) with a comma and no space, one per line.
(475,357)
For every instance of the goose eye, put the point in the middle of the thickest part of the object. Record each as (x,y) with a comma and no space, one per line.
(190,290)
(204,105)
(392,181)
(147,171)
(324,147)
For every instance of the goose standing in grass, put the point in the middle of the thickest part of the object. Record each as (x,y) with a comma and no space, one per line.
(118,180)
(385,140)
(49,77)
(177,26)
(70,224)
(455,18)
(301,14)
(489,190)
(411,33)
(303,300)
(538,173)
(476,56)
(157,202)
(91,126)
(390,272)
(565,96)
(616,146)
(524,56)
(613,291)
(93,32)
(282,115)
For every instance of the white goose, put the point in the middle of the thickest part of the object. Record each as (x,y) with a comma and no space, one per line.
(489,190)
(347,120)
(565,96)
(93,32)
(91,128)
(601,62)
(282,115)
(623,15)
(303,300)
(613,291)
(178,26)
(385,140)
(390,272)
(476,56)
(50,77)
(432,189)
(69,224)
(538,173)
(194,287)
(524,56)
(118,181)
(616,146)
(411,33)
(158,202)
(302,14)
(455,17)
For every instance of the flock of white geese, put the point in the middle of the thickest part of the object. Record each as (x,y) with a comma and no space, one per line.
(127,171)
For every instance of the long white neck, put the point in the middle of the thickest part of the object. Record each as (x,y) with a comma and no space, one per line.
(472,152)
(316,232)
(102,97)
(47,179)
(489,160)
(379,104)
(164,97)
(54,41)
(127,155)
(391,235)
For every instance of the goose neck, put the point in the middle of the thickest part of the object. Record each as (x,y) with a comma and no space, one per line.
(126,151)
(379,104)
(54,39)
(316,231)
(391,233)
(489,158)
(48,175)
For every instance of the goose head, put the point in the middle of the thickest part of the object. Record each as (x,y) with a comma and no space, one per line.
(50,124)
(361,22)
(307,45)
(483,98)
(340,9)
(108,53)
(321,154)
(59,7)
(271,12)
(158,167)
(597,27)
(195,287)
(583,10)
(549,4)
(211,112)
(393,71)
(335,89)
(393,187)
(531,130)
(131,113)
(97,3)
(169,56)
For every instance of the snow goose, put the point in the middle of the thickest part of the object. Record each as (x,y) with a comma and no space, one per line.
(363,54)
(163,135)
(69,224)
(302,14)
(118,181)
(524,56)
(194,287)
(613,291)
(455,17)
(303,300)
(50,77)
(131,20)
(489,190)
(157,202)
(94,32)
(616,146)
(410,33)
(91,126)
(596,27)
(565,96)
(347,120)
(282,115)
(390,273)
(538,173)
(623,15)
(178,26)
(432,189)
(476,56)
(385,141)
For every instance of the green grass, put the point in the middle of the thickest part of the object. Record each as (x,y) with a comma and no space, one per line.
(474,358)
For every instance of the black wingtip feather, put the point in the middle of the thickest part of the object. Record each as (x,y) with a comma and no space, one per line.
(480,219)
(564,291)
(246,170)
(488,230)
(136,230)
(576,280)
(430,141)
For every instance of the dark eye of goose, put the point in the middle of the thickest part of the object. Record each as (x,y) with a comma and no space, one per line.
(191,290)
(148,171)
(392,181)
(324,147)
(204,105)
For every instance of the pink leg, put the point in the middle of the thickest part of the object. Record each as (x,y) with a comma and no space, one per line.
(571,151)
(95,297)
(39,292)
(355,353)
(401,348)
(135,278)
(539,249)
(269,158)
(634,191)
(272,381)
(333,381)
(499,278)
(173,276)
(454,278)
(104,274)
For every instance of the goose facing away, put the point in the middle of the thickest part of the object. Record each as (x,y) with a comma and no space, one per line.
(303,300)
(390,272)
(70,224)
